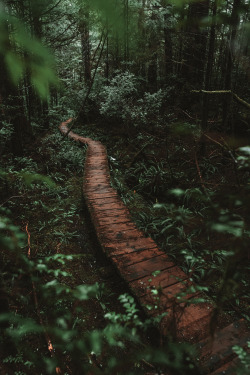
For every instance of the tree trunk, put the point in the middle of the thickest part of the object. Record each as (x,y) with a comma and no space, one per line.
(195,48)
(209,69)
(14,112)
(34,102)
(168,50)
(126,33)
(107,59)
(141,41)
(85,42)
(229,64)
(153,57)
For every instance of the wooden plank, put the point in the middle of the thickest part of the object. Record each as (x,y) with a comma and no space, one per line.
(105,206)
(185,322)
(115,237)
(164,279)
(100,194)
(116,227)
(215,353)
(110,219)
(145,268)
(166,298)
(129,245)
(93,197)
(137,256)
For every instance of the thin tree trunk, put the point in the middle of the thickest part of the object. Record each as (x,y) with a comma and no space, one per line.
(14,113)
(168,49)
(229,64)
(126,32)
(142,36)
(195,49)
(209,69)
(85,42)
(107,59)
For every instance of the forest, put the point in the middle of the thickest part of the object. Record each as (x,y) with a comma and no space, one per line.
(164,86)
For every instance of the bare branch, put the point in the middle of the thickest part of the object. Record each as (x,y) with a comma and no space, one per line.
(215,92)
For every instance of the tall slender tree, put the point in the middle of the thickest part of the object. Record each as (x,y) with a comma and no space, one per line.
(230,61)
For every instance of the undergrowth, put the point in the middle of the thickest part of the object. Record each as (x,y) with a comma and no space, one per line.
(194,207)
(55,313)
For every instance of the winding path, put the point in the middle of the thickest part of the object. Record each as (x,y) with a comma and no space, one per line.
(137,257)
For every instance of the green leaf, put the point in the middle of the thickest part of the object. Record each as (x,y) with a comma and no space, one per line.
(22,52)
(29,178)
(234,228)
(177,192)
(155,273)
(85,292)
(15,66)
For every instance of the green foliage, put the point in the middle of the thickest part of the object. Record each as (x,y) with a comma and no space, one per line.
(5,133)
(11,236)
(118,96)
(231,224)
(130,317)
(68,335)
(244,358)
(194,227)
(38,61)
(200,225)
(109,11)
(59,311)
(64,156)
(152,179)
(111,15)
(22,330)
(121,99)
(148,108)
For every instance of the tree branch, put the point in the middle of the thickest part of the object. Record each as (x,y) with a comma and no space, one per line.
(236,97)
(50,9)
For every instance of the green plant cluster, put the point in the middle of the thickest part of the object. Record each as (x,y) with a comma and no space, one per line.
(44,301)
(127,69)
(123,99)
(204,229)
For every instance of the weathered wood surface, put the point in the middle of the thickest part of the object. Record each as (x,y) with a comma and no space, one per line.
(137,257)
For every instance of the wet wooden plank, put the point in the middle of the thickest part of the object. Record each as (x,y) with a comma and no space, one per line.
(164,279)
(104,180)
(145,268)
(129,245)
(185,322)
(91,195)
(162,300)
(94,197)
(115,227)
(137,256)
(104,206)
(108,200)
(215,353)
(109,219)
(95,167)
(115,237)
(229,368)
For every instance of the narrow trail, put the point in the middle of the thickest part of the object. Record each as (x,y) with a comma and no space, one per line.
(137,257)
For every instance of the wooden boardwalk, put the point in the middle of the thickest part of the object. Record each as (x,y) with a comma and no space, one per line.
(137,257)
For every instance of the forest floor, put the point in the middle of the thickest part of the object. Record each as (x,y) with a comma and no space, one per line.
(144,168)
(56,222)
(192,199)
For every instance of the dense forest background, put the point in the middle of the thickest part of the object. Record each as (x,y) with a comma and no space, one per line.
(164,84)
